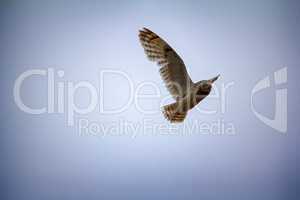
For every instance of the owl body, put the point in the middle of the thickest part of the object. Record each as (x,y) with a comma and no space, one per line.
(194,96)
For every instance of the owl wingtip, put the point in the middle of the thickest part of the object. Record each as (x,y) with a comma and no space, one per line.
(214,79)
(146,29)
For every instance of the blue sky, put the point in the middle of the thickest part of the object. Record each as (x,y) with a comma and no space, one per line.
(42,157)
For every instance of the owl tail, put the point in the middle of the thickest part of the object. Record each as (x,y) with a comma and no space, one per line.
(173,113)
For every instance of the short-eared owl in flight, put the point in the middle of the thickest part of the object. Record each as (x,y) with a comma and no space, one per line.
(173,71)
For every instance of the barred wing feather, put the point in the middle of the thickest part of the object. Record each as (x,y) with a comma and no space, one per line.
(173,70)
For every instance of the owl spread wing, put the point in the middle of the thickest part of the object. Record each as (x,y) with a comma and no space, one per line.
(173,70)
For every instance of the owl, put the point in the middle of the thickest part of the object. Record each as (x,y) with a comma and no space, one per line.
(186,93)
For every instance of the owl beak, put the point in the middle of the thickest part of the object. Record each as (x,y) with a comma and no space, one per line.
(213,79)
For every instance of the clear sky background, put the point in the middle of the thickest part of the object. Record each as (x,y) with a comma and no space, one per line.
(244,41)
